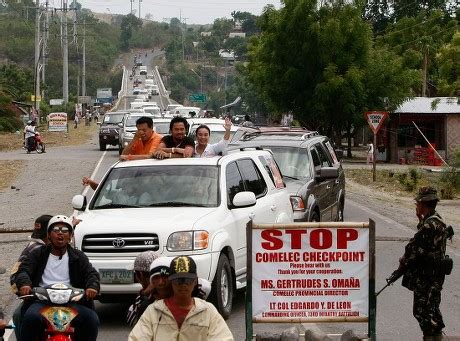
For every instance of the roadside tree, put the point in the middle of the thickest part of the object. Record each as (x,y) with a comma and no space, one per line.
(448,59)
(317,62)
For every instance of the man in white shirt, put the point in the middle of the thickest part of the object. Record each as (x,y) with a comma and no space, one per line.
(29,135)
(58,262)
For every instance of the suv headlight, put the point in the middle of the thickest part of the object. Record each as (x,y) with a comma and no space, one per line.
(188,241)
(105,131)
(297,203)
(128,135)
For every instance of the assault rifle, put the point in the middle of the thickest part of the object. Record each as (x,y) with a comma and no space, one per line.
(399,272)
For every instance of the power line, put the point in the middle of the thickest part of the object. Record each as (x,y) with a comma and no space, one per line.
(425,36)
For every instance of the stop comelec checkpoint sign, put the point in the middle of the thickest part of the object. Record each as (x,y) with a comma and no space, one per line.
(312,272)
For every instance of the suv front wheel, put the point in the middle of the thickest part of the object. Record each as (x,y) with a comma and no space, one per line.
(340,212)
(102,146)
(222,287)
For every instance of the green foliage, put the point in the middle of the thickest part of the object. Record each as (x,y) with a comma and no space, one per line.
(129,25)
(409,180)
(294,67)
(8,120)
(417,36)
(16,81)
(222,27)
(449,182)
(448,58)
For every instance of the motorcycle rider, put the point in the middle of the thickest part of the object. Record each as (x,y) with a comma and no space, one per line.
(58,262)
(29,135)
(38,238)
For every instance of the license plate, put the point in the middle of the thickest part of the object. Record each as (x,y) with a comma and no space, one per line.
(116,276)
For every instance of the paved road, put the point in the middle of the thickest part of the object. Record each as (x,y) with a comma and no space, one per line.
(394,313)
(55,177)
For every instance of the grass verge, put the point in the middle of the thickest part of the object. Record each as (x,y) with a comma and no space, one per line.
(404,183)
(9,171)
(12,141)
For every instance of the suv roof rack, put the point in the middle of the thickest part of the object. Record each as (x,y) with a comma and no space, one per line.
(303,133)
(309,134)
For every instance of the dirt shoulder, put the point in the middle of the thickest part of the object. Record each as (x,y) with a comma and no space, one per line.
(12,141)
(38,184)
(391,201)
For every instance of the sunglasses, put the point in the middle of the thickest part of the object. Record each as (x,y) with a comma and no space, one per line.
(183,280)
(62,229)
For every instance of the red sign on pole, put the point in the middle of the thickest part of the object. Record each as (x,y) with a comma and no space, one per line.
(375,119)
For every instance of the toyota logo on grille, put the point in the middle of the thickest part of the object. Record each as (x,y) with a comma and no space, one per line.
(118,243)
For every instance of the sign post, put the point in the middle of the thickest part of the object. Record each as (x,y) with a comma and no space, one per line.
(57,121)
(375,120)
(198,98)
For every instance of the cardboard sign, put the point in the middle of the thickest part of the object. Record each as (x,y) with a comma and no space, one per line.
(310,273)
(375,119)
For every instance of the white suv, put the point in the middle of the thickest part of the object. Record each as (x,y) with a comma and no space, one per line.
(197,207)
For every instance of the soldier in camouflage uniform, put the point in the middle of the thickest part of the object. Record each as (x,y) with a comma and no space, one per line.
(422,263)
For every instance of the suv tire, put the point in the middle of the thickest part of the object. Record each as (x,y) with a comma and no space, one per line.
(102,146)
(314,218)
(222,287)
(120,150)
(340,211)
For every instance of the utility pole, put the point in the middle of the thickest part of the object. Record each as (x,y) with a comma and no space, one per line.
(65,55)
(183,23)
(140,8)
(83,73)
(37,59)
(45,39)
(131,12)
(424,70)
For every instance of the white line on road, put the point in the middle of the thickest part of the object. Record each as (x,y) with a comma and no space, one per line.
(94,172)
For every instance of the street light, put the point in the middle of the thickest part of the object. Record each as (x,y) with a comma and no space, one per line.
(201,79)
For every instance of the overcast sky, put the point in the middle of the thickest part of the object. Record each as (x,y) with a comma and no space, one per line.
(196,11)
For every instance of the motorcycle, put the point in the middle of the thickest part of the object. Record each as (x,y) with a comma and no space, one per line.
(37,144)
(57,315)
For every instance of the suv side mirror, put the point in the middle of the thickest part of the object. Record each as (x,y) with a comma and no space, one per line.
(327,173)
(79,202)
(244,199)
(120,125)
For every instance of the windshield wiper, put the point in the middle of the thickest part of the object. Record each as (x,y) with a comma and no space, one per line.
(175,203)
(112,205)
(290,177)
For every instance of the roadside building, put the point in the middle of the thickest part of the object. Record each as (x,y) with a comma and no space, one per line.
(439,120)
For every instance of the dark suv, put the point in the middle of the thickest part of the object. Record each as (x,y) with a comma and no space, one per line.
(108,131)
(310,166)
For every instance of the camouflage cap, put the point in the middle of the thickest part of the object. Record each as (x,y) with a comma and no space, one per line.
(427,193)
(143,261)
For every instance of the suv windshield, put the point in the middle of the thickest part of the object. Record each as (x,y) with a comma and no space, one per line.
(113,119)
(293,162)
(159,186)
(131,121)
(161,127)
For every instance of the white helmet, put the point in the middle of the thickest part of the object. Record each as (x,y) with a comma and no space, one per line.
(60,219)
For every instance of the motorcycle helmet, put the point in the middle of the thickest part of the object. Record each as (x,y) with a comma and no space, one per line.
(60,219)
